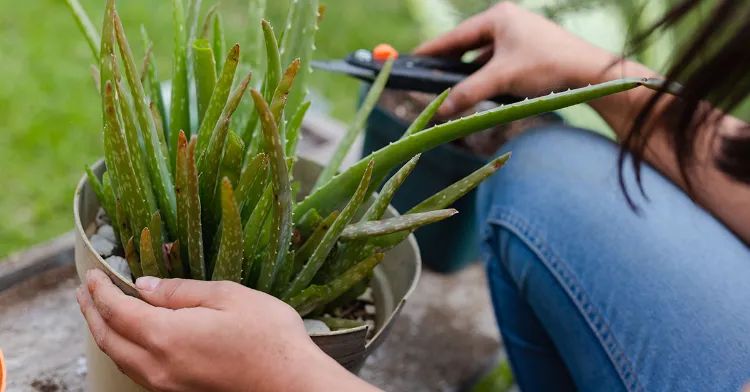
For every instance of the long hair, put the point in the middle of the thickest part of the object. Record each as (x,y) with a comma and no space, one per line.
(713,67)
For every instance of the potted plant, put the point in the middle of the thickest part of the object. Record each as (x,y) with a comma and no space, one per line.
(228,199)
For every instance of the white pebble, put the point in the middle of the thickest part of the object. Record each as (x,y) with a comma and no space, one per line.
(366,296)
(102,245)
(119,264)
(370,309)
(315,326)
(108,232)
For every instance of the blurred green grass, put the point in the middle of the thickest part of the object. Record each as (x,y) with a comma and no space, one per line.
(49,114)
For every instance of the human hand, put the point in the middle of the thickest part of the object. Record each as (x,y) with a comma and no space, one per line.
(193,335)
(524,54)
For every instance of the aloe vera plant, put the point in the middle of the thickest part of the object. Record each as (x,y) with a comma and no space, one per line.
(215,201)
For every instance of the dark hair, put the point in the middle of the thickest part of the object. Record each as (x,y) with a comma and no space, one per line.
(713,68)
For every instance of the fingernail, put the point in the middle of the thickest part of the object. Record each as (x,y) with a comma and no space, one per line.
(147,283)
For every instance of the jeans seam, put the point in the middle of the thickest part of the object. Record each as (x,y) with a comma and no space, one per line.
(596,322)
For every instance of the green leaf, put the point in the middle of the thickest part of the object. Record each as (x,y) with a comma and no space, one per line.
(251,184)
(134,262)
(313,241)
(157,244)
(293,129)
(148,259)
(87,28)
(219,42)
(308,223)
(329,239)
(208,23)
(273,67)
(218,99)
(179,113)
(204,68)
(231,164)
(298,41)
(228,265)
(387,226)
(154,87)
(190,231)
(175,260)
(253,228)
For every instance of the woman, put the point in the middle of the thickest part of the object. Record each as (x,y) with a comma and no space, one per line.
(594,288)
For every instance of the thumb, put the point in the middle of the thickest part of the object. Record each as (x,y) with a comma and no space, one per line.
(479,86)
(184,293)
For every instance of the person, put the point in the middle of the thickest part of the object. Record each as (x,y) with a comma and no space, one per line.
(602,278)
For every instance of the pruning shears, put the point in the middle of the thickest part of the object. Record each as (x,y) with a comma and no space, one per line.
(414,73)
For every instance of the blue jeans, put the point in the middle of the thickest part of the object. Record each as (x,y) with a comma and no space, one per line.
(591,296)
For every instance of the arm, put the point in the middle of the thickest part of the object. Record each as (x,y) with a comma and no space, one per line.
(528,55)
(193,335)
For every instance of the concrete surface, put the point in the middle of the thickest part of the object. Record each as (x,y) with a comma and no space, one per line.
(444,336)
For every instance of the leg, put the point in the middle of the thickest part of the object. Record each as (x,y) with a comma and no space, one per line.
(588,293)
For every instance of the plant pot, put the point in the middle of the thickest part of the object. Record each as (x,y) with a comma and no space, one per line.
(395,279)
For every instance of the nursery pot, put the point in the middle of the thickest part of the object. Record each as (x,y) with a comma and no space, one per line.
(395,279)
(454,243)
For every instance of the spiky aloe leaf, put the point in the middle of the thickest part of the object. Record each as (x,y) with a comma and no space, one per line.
(251,184)
(129,188)
(331,195)
(176,265)
(387,226)
(314,240)
(157,243)
(159,123)
(148,259)
(308,223)
(281,223)
(179,112)
(285,273)
(231,164)
(218,99)
(219,41)
(279,99)
(298,40)
(329,239)
(253,229)
(336,324)
(96,185)
(273,66)
(204,68)
(426,115)
(154,90)
(156,162)
(228,265)
(357,126)
(123,224)
(146,62)
(314,297)
(208,22)
(208,163)
(256,9)
(106,65)
(87,28)
(193,15)
(380,205)
(293,128)
(190,232)
(134,262)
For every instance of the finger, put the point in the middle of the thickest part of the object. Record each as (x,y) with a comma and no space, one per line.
(472,33)
(186,293)
(480,86)
(126,315)
(128,356)
(485,55)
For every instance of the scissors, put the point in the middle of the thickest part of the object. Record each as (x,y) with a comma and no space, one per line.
(414,73)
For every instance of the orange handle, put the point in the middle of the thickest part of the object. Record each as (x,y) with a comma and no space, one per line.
(3,372)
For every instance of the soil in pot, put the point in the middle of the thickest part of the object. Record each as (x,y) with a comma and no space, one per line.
(361,309)
(406,105)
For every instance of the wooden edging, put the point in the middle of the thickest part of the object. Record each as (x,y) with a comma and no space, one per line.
(40,258)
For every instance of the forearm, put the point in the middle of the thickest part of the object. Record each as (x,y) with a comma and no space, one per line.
(728,200)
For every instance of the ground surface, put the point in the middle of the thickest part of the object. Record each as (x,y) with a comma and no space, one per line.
(443,337)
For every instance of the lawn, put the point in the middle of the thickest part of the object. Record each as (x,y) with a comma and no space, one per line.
(50,123)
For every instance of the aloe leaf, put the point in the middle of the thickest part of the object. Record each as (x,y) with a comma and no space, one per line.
(96,185)
(134,262)
(219,41)
(294,127)
(204,68)
(336,324)
(208,20)
(285,272)
(329,239)
(176,264)
(231,164)
(278,101)
(357,126)
(159,124)
(156,162)
(281,223)
(331,195)
(298,40)
(209,162)
(106,65)
(273,66)
(314,239)
(111,205)
(218,99)
(146,63)
(193,15)
(381,203)
(148,259)
(122,223)
(253,228)
(87,28)
(96,77)
(251,184)
(129,188)
(190,231)
(157,243)
(387,226)
(179,113)
(316,296)
(155,94)
(308,223)
(256,9)
(426,115)
(228,265)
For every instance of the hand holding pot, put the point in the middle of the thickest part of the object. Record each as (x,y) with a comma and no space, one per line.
(524,54)
(193,335)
